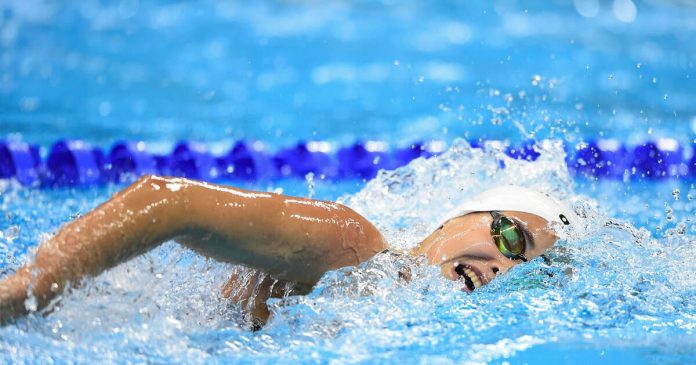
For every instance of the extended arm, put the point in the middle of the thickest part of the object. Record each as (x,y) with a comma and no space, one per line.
(292,239)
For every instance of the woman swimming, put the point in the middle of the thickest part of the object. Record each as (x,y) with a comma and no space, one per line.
(293,240)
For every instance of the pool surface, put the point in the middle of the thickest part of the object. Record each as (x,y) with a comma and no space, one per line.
(619,289)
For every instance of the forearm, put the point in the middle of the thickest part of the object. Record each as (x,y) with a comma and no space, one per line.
(133,221)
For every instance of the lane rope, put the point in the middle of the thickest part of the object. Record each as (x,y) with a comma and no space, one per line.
(77,163)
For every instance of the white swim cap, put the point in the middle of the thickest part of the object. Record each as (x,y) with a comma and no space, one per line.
(519,199)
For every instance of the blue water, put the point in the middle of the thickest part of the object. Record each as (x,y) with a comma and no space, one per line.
(619,290)
(281,71)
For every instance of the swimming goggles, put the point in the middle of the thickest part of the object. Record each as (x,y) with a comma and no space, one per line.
(508,236)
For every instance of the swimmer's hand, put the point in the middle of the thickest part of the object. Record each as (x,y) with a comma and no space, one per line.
(250,289)
(293,239)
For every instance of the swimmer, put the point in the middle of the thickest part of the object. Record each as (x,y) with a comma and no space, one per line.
(293,240)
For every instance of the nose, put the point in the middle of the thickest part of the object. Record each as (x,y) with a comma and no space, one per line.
(501,264)
(496,263)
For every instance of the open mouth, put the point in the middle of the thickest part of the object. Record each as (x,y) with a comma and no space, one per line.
(471,279)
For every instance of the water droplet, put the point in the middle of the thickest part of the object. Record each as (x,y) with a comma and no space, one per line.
(689,197)
(536,79)
(31,304)
(638,65)
(310,184)
(611,76)
(665,97)
(11,233)
(654,80)
(675,194)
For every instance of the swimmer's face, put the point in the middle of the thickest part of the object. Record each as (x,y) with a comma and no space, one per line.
(465,248)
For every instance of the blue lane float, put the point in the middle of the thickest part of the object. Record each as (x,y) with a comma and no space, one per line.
(192,160)
(248,161)
(76,163)
(647,160)
(72,163)
(601,159)
(19,160)
(130,159)
(405,155)
(306,158)
(525,151)
(362,160)
(163,164)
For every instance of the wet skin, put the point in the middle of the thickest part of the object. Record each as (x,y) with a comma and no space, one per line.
(293,240)
(466,243)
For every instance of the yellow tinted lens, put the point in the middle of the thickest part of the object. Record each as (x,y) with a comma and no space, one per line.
(508,237)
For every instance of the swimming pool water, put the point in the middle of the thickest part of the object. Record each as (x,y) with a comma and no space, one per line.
(620,290)
(282,71)
(610,292)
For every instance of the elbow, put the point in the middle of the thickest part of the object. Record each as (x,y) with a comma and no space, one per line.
(361,240)
(165,199)
(374,241)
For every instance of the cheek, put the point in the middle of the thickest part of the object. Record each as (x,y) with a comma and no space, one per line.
(471,244)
